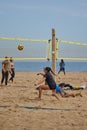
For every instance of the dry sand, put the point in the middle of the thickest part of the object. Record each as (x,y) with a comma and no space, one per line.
(23,90)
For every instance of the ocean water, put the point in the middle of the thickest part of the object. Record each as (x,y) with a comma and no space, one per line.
(36,66)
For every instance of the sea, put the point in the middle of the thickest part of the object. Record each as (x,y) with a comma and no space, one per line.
(37,66)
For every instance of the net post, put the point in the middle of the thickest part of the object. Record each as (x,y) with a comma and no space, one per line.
(54,50)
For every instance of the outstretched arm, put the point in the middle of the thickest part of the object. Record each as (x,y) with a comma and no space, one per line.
(40,74)
(40,82)
(54,73)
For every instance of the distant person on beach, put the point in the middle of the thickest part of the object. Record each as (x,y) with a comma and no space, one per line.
(12,69)
(50,82)
(62,66)
(5,71)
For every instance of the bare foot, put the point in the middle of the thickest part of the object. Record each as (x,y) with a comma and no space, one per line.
(53,94)
(1,85)
(37,98)
(80,95)
(73,95)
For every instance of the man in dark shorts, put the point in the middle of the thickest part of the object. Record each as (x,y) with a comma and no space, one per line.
(5,71)
(62,66)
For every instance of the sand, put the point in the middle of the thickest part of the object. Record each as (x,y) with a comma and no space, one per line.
(21,93)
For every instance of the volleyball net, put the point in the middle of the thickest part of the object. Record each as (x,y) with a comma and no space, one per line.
(36,49)
(69,50)
(33,49)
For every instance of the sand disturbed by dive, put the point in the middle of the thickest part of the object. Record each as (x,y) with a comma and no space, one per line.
(23,90)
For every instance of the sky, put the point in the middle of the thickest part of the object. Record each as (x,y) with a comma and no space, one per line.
(36,18)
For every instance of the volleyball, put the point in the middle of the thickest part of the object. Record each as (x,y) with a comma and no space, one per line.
(20,47)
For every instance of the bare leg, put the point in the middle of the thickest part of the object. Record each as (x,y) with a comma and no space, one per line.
(42,87)
(78,94)
(54,94)
(46,87)
(64,71)
(71,95)
(59,71)
(64,95)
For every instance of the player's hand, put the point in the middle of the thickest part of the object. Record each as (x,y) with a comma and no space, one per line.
(35,84)
(38,73)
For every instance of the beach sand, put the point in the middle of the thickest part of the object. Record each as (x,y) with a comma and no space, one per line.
(71,116)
